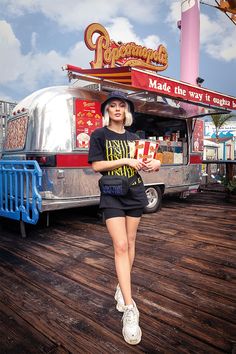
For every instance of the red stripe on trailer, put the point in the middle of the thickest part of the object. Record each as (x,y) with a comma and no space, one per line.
(196,159)
(72,160)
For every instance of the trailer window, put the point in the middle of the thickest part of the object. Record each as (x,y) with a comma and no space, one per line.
(170,133)
(16,133)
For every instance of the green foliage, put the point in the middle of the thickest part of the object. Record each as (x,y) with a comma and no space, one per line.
(219,120)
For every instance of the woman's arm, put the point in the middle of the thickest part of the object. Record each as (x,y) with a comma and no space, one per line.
(101,166)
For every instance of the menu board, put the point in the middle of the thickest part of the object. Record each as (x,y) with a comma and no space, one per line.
(88,118)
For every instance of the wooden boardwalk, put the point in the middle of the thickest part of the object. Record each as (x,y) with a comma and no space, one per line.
(57,286)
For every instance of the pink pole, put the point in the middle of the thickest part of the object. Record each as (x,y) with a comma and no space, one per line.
(190,41)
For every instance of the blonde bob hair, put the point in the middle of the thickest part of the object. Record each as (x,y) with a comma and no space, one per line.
(128,115)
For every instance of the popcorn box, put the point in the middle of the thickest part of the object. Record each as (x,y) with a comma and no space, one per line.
(146,149)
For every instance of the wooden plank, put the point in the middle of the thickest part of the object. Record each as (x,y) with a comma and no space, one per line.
(183,280)
(158,255)
(16,336)
(85,302)
(216,264)
(166,268)
(209,302)
(187,276)
(178,248)
(74,272)
(208,268)
(76,332)
(190,233)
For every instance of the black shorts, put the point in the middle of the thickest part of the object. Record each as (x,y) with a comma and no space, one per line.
(114,213)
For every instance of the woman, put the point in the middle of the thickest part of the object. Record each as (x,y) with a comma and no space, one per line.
(111,154)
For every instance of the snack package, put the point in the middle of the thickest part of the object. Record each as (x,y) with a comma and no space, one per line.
(178,157)
(168,157)
(159,156)
(146,149)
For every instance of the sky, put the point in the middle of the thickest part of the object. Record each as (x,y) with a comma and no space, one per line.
(38,37)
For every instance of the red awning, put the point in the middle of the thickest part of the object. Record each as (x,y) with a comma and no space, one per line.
(119,74)
(138,80)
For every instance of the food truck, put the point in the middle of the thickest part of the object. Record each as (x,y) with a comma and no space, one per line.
(44,163)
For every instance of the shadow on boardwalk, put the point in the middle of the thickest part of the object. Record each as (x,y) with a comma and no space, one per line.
(57,286)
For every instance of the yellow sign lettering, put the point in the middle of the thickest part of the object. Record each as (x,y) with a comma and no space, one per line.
(108,53)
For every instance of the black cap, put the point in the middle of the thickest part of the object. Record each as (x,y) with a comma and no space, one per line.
(120,96)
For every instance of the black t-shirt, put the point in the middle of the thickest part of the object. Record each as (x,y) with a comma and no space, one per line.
(106,145)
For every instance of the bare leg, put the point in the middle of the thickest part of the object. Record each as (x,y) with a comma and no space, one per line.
(117,230)
(131,229)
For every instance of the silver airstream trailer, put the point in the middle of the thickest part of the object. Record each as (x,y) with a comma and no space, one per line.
(44,160)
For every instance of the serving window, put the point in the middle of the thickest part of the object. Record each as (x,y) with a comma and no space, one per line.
(170,134)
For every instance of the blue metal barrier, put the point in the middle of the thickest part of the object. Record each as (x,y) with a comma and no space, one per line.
(19,195)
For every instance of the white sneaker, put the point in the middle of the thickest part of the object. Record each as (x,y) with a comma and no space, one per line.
(131,331)
(120,306)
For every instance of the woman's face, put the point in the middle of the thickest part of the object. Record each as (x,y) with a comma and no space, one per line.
(116,110)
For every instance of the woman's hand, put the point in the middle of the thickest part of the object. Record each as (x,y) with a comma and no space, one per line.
(152,165)
(148,166)
(136,164)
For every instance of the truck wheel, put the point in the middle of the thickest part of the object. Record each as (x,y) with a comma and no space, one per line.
(154,196)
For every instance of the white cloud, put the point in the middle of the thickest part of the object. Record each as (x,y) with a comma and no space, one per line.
(28,70)
(209,30)
(18,7)
(218,37)
(5,97)
(153,41)
(225,50)
(122,30)
(11,59)
(76,14)
(34,36)
(79,55)
(174,14)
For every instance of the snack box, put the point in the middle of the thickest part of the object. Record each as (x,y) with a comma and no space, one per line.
(146,149)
